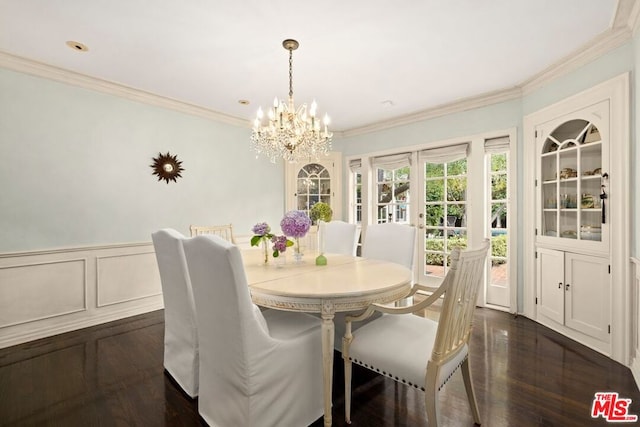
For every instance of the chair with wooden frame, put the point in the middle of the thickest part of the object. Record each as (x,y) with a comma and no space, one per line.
(225,231)
(433,350)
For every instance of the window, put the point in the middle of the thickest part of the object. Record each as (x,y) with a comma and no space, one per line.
(355,167)
(392,176)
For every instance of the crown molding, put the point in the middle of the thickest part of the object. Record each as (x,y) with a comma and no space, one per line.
(602,44)
(624,24)
(39,69)
(634,17)
(440,110)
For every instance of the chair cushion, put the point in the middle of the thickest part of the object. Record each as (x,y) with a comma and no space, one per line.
(399,346)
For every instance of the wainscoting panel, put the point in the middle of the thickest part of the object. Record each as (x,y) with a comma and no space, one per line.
(22,288)
(44,293)
(127,277)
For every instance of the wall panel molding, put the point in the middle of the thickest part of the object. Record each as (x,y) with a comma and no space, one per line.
(48,292)
(21,285)
(635,324)
(126,277)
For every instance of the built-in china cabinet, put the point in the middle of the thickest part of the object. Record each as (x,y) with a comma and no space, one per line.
(575,280)
(572,233)
(313,181)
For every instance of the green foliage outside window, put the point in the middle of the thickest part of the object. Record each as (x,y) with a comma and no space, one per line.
(498,248)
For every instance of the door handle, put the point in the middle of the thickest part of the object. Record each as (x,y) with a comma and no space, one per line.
(559,285)
(566,287)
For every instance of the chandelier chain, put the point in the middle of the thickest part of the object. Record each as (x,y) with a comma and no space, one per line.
(290,73)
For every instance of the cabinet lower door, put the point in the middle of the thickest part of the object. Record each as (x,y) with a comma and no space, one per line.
(551,284)
(587,295)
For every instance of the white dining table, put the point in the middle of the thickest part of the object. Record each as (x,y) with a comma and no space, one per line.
(345,284)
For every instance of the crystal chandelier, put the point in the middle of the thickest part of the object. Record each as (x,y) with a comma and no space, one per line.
(289,133)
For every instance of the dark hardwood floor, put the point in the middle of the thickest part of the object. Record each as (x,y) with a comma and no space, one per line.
(112,375)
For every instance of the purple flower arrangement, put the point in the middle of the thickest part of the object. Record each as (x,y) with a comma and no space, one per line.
(262,234)
(280,244)
(295,224)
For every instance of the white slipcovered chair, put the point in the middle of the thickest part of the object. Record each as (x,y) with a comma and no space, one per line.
(418,351)
(180,331)
(256,369)
(338,237)
(390,242)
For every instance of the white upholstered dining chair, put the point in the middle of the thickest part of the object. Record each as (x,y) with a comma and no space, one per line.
(180,331)
(225,231)
(390,242)
(418,351)
(387,242)
(338,237)
(256,368)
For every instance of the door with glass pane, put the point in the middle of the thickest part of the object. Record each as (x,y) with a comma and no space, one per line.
(497,162)
(443,217)
(465,198)
(573,180)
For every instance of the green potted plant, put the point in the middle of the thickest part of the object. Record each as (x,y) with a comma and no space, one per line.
(321,211)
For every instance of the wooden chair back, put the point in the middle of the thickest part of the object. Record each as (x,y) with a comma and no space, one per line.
(225,231)
(454,326)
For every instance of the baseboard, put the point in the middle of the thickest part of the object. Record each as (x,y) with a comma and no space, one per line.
(22,336)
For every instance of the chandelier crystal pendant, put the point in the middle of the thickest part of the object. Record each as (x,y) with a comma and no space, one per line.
(294,135)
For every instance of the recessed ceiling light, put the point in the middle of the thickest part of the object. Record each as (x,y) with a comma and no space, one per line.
(243,102)
(388,103)
(77,46)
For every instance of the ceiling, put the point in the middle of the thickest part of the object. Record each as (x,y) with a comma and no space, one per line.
(364,62)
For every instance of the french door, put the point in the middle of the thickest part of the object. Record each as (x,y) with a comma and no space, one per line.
(443,212)
(456,195)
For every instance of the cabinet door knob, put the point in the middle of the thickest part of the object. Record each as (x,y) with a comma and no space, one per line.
(566,288)
(559,285)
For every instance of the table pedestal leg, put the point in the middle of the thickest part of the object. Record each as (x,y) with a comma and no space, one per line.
(328,332)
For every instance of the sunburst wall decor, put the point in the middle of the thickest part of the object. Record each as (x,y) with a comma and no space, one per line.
(167,167)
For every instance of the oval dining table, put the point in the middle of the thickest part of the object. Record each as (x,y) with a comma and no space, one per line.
(346,284)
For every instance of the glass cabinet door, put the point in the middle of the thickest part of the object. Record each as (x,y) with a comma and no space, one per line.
(313,186)
(571,175)
(318,180)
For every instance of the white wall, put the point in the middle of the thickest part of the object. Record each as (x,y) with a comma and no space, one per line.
(75,169)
